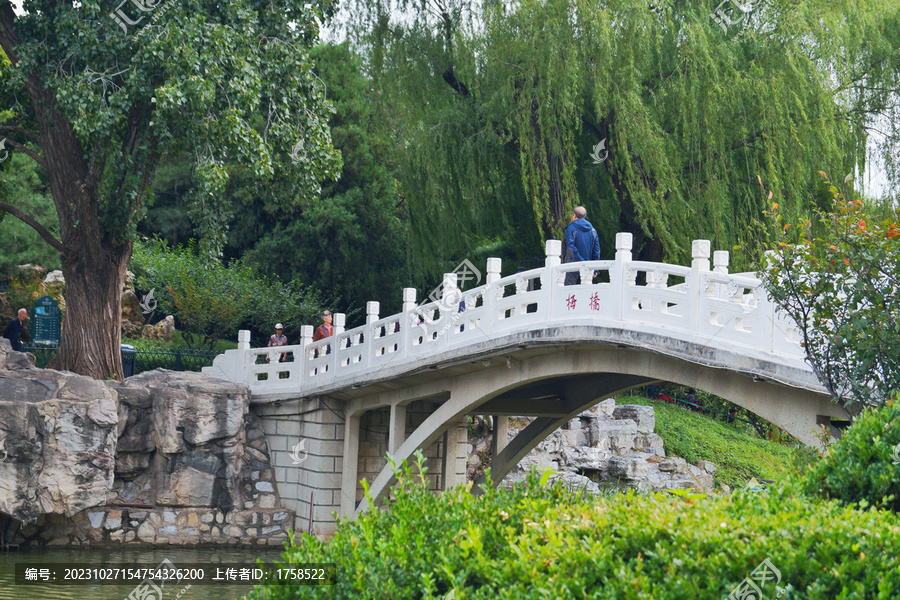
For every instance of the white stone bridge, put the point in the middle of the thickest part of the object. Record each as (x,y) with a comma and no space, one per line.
(525,345)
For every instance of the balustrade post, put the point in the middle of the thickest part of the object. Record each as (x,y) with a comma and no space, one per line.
(449,306)
(243,349)
(769,330)
(552,252)
(406,326)
(338,321)
(372,309)
(409,299)
(721,259)
(700,252)
(618,273)
(306,335)
(494,265)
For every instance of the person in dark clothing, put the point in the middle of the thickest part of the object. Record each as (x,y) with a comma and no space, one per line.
(582,243)
(13,331)
(732,414)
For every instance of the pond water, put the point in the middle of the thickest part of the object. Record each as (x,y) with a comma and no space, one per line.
(133,557)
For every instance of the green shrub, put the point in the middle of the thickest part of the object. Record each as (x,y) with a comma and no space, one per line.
(211,301)
(863,465)
(535,542)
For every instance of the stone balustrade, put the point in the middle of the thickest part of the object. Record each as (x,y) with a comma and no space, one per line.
(694,304)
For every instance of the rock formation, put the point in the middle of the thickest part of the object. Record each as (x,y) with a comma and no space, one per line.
(132,317)
(164,330)
(163,457)
(607,446)
(59,434)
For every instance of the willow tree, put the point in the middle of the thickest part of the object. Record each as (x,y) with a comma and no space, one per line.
(663,118)
(100,91)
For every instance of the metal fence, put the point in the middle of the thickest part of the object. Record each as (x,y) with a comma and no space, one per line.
(138,361)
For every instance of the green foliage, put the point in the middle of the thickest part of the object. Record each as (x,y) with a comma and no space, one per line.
(838,279)
(497,107)
(212,301)
(23,290)
(535,542)
(351,243)
(737,450)
(147,345)
(20,178)
(864,465)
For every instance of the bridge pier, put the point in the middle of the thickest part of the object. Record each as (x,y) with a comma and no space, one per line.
(307,446)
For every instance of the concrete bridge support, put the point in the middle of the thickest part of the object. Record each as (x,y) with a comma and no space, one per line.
(306,443)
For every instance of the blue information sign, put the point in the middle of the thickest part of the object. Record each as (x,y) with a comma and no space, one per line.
(45,322)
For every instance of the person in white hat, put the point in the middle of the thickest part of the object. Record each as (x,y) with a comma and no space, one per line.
(278,339)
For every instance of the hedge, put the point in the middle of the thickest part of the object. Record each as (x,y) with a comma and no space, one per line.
(864,465)
(538,542)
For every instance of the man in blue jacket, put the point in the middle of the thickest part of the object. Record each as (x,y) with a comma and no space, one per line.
(582,243)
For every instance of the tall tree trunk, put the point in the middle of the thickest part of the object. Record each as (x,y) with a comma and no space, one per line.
(93,262)
(92,334)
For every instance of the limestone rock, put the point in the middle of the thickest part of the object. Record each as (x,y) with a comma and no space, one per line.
(30,270)
(707,466)
(59,432)
(164,330)
(643,416)
(55,278)
(632,467)
(182,435)
(675,464)
(622,452)
(575,483)
(132,317)
(615,436)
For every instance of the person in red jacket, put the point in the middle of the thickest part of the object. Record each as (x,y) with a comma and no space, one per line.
(326,329)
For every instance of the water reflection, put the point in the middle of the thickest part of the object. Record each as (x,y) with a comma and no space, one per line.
(143,557)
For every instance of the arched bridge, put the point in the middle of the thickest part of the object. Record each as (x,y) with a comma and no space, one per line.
(523,345)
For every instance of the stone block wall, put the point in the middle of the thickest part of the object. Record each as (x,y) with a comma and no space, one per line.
(108,526)
(306,445)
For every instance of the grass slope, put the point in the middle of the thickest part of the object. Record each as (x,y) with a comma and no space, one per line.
(740,454)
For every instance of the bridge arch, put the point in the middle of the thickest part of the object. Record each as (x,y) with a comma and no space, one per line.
(556,382)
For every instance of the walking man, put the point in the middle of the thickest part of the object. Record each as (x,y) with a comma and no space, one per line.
(13,331)
(582,243)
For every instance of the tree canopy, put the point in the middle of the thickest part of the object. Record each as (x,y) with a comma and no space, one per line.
(101,92)
(497,108)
